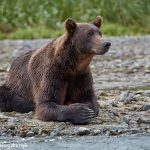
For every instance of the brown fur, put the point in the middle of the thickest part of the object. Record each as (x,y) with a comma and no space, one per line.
(55,80)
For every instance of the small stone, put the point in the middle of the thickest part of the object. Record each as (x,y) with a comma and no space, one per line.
(114,104)
(139,92)
(12,127)
(24,128)
(144,93)
(64,132)
(13,121)
(113,132)
(126,97)
(127,120)
(102,94)
(147,93)
(30,134)
(147,127)
(147,70)
(112,114)
(83,131)
(96,132)
(145,107)
(13,134)
(55,132)
(141,120)
(137,96)
(44,131)
(22,134)
(35,130)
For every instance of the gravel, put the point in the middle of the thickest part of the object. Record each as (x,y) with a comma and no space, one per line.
(122,86)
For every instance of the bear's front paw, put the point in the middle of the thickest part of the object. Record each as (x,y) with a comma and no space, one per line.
(80,113)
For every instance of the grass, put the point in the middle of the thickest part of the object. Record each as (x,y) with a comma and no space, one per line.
(44,32)
(32,33)
(29,19)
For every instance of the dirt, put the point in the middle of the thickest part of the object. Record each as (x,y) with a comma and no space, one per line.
(122,85)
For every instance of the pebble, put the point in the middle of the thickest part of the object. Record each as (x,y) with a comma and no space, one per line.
(113,113)
(145,107)
(45,131)
(12,127)
(127,120)
(113,132)
(83,131)
(126,97)
(22,134)
(147,93)
(30,134)
(35,130)
(114,104)
(96,132)
(141,120)
(144,93)
(102,94)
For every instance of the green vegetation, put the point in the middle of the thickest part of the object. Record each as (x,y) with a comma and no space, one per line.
(44,18)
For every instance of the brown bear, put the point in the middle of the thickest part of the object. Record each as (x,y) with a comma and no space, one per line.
(55,80)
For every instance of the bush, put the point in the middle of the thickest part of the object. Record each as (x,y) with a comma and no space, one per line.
(50,14)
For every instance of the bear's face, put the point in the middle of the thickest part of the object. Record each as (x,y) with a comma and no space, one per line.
(86,37)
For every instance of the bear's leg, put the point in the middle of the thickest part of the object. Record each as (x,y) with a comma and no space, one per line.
(82,92)
(12,102)
(50,98)
(76,113)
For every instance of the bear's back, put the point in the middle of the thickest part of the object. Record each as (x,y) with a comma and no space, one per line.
(18,79)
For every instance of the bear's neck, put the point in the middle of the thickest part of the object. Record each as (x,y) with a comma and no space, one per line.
(84,62)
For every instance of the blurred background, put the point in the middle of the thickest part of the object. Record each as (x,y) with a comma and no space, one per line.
(30,19)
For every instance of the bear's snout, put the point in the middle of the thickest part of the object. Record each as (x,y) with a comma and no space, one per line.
(102,48)
(107,45)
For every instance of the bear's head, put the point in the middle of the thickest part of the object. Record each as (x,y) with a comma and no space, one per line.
(87,37)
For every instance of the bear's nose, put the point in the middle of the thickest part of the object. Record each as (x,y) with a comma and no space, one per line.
(107,44)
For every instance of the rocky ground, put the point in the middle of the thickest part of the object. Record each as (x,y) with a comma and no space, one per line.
(122,85)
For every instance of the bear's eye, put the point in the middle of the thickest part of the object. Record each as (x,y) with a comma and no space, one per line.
(90,33)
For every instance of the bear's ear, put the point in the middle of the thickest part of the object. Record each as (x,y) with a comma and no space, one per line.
(98,21)
(70,25)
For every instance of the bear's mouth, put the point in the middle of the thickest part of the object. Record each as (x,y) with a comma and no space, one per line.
(105,50)
(101,51)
